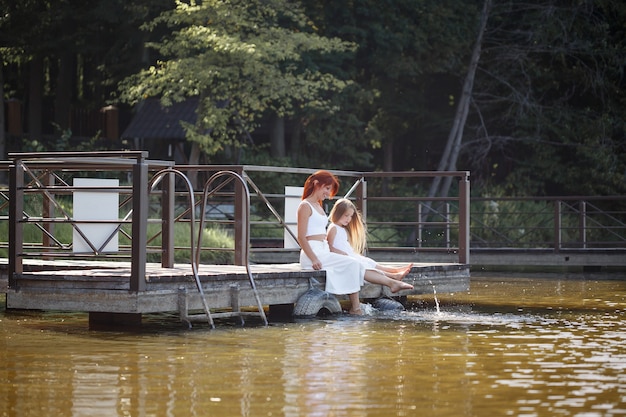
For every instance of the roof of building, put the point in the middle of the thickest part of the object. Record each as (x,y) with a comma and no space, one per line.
(155,121)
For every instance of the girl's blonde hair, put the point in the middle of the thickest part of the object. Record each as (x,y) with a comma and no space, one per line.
(356,229)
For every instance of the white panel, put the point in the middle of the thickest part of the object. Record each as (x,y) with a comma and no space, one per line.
(293,197)
(96,205)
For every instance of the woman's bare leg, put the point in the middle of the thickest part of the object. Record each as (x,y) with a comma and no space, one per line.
(355,303)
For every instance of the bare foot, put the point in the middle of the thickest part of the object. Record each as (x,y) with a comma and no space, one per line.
(356,312)
(402,273)
(399,286)
(396,275)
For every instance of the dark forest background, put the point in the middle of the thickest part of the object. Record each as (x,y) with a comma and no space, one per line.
(527,95)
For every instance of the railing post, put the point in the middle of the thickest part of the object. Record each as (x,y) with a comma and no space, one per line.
(582,224)
(48,212)
(447,214)
(139,226)
(361,198)
(420,226)
(16,227)
(241,237)
(557,226)
(168,195)
(464,220)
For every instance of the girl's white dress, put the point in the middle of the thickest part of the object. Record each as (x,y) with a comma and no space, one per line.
(344,275)
(341,242)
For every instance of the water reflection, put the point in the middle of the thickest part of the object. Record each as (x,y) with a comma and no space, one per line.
(533,346)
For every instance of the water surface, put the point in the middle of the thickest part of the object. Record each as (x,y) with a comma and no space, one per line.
(550,345)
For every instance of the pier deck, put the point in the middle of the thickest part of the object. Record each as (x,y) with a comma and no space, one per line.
(104,286)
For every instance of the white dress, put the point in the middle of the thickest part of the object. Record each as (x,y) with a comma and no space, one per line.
(341,242)
(344,275)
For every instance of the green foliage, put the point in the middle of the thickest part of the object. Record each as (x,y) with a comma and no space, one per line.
(243,58)
(212,237)
(362,85)
(101,36)
(340,139)
(409,57)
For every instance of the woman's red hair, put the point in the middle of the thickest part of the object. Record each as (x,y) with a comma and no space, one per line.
(320,179)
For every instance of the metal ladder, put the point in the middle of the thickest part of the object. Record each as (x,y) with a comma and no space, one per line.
(234,290)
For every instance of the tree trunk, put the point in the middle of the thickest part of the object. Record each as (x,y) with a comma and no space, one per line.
(194,159)
(3,125)
(35,99)
(453,145)
(295,140)
(387,164)
(388,155)
(277,137)
(63,92)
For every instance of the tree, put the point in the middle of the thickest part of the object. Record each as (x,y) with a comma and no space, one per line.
(69,52)
(448,161)
(244,59)
(410,56)
(549,99)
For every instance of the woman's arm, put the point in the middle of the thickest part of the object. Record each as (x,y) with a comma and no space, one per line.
(304,213)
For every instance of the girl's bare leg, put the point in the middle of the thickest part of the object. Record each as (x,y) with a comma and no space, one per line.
(377,277)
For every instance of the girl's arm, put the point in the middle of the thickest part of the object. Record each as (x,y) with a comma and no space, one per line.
(331,233)
(304,213)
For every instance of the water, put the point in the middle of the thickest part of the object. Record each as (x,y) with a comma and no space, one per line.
(514,346)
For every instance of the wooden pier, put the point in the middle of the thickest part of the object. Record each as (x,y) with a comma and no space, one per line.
(105,271)
(103,288)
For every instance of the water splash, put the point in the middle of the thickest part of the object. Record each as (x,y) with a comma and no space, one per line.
(435,296)
(368,309)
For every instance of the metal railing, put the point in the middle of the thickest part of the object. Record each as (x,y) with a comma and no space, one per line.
(378,195)
(38,202)
(398,216)
(37,208)
(555,223)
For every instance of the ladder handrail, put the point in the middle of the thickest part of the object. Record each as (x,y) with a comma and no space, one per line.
(156,179)
(208,192)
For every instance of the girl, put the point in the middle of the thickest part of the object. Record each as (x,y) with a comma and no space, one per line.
(344,275)
(347,235)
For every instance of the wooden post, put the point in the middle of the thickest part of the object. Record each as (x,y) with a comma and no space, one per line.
(139,226)
(16,227)
(14,127)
